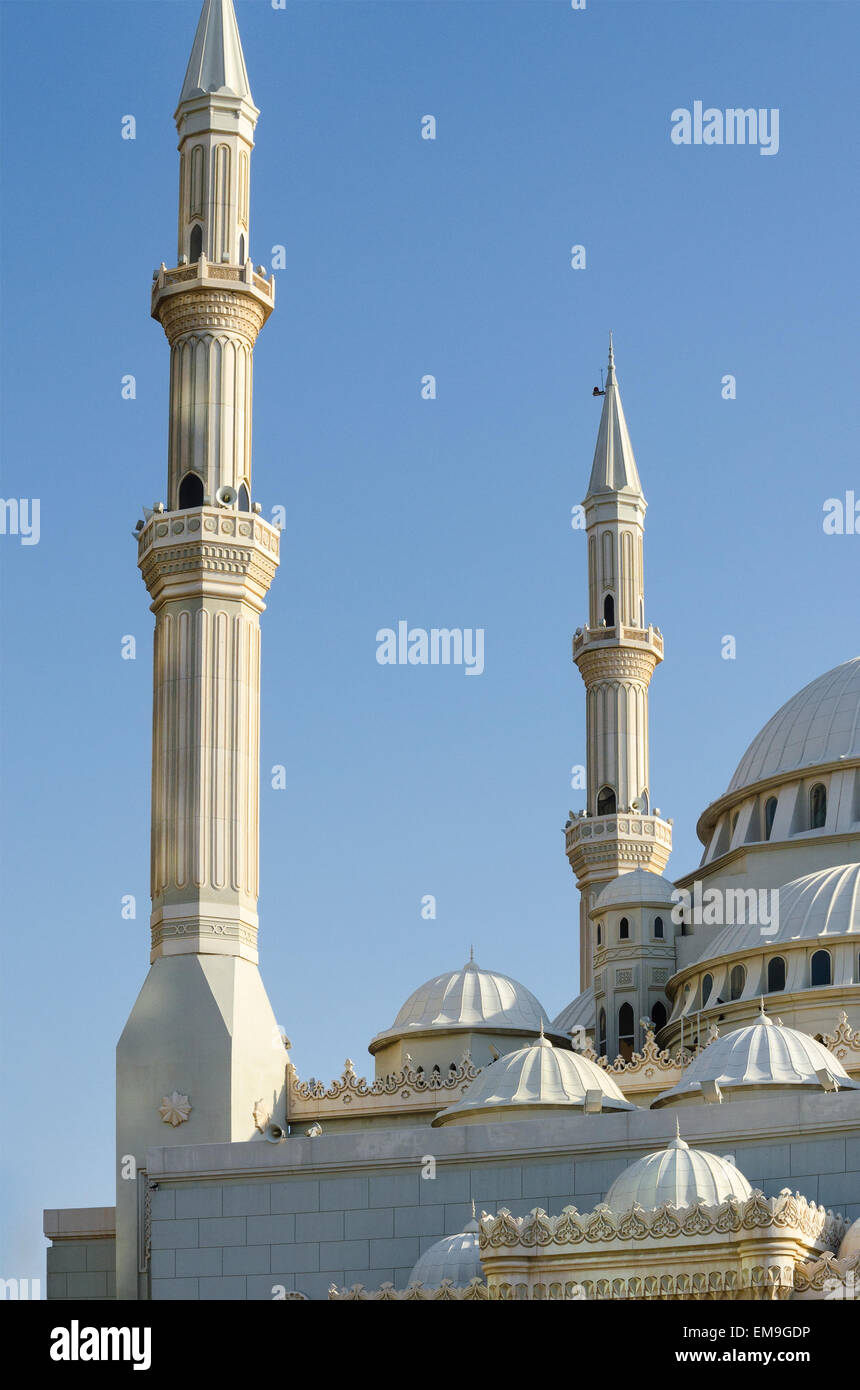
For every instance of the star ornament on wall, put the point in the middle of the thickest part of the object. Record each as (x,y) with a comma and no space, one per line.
(175,1109)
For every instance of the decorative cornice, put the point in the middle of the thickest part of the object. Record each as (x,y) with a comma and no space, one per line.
(235,554)
(667,1223)
(408,1089)
(447,1292)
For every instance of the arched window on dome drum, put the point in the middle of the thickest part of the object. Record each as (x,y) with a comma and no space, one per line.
(658,927)
(609,610)
(775,975)
(707,986)
(196,250)
(624,929)
(606,801)
(601,1033)
(817,806)
(644,803)
(242,249)
(599,933)
(737,980)
(769,814)
(244,498)
(658,1016)
(626,1036)
(820,971)
(190,492)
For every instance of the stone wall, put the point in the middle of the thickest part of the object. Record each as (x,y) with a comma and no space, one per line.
(243,1221)
(82,1257)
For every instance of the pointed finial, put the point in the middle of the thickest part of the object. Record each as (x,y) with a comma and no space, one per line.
(541,1028)
(472,954)
(611,350)
(677,1128)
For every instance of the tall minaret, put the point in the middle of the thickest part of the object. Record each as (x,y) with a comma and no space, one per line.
(200,1059)
(616,655)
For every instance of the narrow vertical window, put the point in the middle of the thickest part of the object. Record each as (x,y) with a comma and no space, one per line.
(626,1034)
(775,975)
(658,1016)
(196,250)
(769,816)
(190,492)
(817,806)
(820,972)
(601,1033)
(244,499)
(737,981)
(658,927)
(624,929)
(609,610)
(707,986)
(606,802)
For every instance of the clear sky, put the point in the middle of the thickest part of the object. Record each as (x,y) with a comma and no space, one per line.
(407,257)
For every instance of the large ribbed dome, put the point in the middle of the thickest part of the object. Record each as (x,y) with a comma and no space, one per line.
(822,904)
(538,1077)
(765,1055)
(454,1257)
(634,888)
(465,999)
(819,724)
(680,1175)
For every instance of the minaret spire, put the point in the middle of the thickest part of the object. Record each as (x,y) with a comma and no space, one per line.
(217,63)
(616,654)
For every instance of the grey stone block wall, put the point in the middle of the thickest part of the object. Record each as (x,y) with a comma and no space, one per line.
(82,1269)
(252,1221)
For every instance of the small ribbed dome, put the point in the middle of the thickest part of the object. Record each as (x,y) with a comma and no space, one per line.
(763,1055)
(539,1076)
(465,999)
(635,888)
(850,1242)
(579,1013)
(824,903)
(454,1257)
(819,724)
(680,1175)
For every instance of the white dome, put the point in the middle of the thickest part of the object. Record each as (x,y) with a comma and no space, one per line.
(765,1054)
(819,724)
(465,999)
(454,1257)
(540,1075)
(634,889)
(680,1175)
(824,903)
(850,1242)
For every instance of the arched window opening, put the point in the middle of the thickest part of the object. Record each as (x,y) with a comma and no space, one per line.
(599,933)
(737,980)
(658,927)
(658,1016)
(707,986)
(609,610)
(624,929)
(601,1033)
(775,975)
(817,806)
(242,249)
(606,801)
(644,803)
(190,492)
(244,498)
(196,250)
(769,814)
(820,972)
(626,1035)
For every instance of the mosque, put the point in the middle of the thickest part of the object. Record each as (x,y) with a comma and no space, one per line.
(687,1127)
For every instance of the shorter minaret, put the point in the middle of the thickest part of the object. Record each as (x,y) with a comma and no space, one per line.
(616,655)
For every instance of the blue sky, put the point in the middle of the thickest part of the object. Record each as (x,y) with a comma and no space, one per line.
(407,257)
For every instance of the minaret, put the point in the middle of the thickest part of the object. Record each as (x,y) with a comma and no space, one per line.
(200,1059)
(616,655)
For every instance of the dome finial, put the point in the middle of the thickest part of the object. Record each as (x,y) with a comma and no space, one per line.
(611,350)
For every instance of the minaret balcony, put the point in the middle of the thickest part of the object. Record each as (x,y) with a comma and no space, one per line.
(643,638)
(612,829)
(214,549)
(215,278)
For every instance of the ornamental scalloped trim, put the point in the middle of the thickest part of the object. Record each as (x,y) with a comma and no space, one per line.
(175,1109)
(667,1223)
